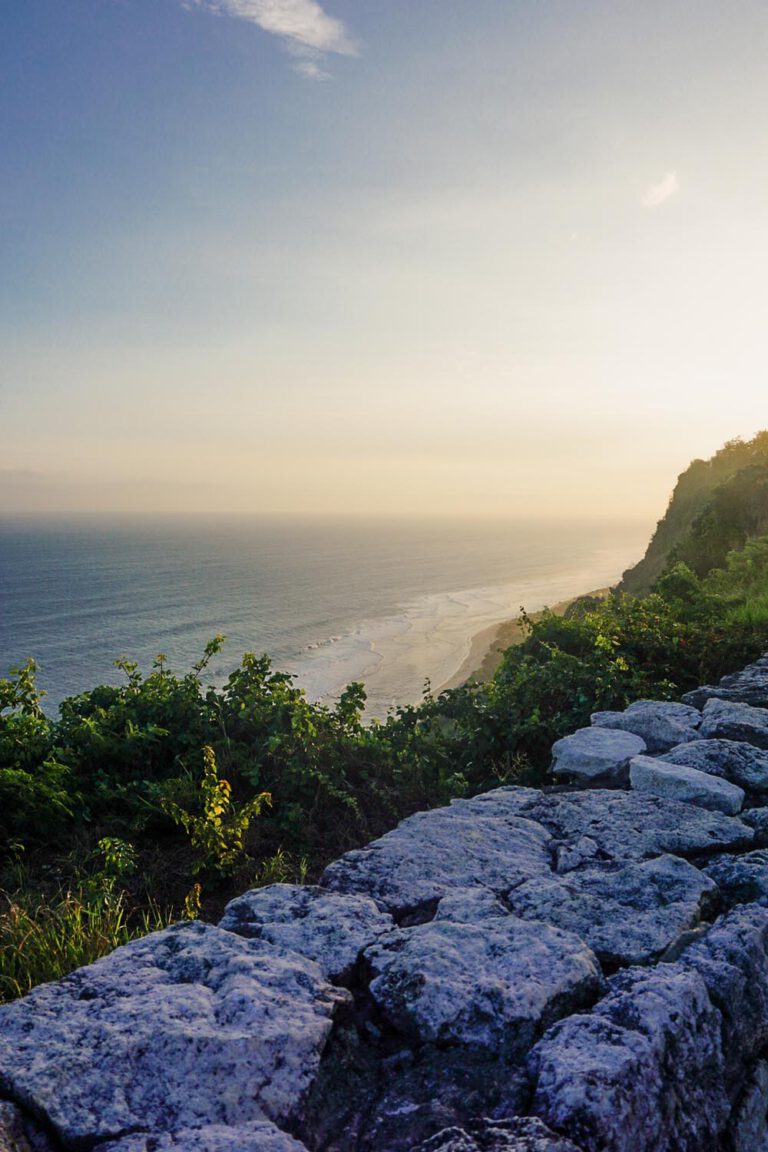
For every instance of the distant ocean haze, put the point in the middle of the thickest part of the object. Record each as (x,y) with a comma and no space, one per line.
(391,603)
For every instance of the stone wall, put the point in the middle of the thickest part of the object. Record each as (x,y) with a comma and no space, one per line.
(582,968)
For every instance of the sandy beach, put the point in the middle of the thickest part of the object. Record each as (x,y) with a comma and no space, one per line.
(490,644)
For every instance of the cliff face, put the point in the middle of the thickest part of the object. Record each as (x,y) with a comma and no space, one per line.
(577,969)
(715,506)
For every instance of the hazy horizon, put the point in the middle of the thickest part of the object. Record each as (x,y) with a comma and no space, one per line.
(434,259)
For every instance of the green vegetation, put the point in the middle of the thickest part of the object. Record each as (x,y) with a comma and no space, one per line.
(163,797)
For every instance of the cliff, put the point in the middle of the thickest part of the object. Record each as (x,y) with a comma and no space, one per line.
(579,968)
(715,506)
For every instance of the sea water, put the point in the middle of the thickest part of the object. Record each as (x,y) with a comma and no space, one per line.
(392,603)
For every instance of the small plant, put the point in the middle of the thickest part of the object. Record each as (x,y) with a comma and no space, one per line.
(218,833)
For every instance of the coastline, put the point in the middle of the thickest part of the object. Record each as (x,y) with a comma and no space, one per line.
(489,645)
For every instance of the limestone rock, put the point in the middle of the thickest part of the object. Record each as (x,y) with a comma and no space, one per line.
(748,1130)
(629,915)
(495,989)
(429,854)
(260,1136)
(741,879)
(724,720)
(732,959)
(326,927)
(523,1134)
(596,756)
(643,1073)
(185,1027)
(18,1133)
(757,819)
(749,686)
(634,826)
(678,782)
(661,724)
(732,760)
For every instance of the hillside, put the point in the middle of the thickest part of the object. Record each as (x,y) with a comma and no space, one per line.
(715,506)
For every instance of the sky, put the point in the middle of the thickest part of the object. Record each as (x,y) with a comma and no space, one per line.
(388,257)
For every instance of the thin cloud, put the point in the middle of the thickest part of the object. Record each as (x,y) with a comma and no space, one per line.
(305,30)
(657,194)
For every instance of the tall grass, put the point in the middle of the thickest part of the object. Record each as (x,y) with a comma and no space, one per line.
(43,937)
(752,614)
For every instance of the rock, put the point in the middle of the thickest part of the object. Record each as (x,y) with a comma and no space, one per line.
(723,720)
(757,819)
(523,1134)
(732,959)
(643,1073)
(571,856)
(677,782)
(659,723)
(326,927)
(748,1130)
(749,686)
(185,1027)
(635,826)
(629,915)
(470,906)
(741,879)
(18,1133)
(732,760)
(415,865)
(260,1136)
(494,990)
(375,1100)
(596,757)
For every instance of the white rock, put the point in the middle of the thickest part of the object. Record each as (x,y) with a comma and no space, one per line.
(260,1136)
(186,1027)
(678,782)
(596,756)
(327,927)
(627,915)
(432,853)
(661,724)
(733,760)
(492,989)
(724,720)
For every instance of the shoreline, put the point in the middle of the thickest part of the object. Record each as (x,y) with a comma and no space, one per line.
(489,644)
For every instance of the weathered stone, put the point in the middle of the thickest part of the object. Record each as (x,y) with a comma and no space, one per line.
(732,959)
(370,1099)
(634,826)
(429,854)
(469,906)
(326,927)
(732,760)
(741,879)
(642,1073)
(659,723)
(186,1027)
(757,819)
(596,757)
(524,1134)
(585,850)
(19,1133)
(749,686)
(678,782)
(723,720)
(495,989)
(629,915)
(748,1129)
(260,1136)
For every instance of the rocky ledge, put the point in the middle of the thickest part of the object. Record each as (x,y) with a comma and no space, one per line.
(582,968)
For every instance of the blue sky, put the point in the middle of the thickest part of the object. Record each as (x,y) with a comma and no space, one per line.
(268,255)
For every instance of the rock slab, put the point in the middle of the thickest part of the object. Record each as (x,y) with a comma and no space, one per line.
(182,1028)
(679,782)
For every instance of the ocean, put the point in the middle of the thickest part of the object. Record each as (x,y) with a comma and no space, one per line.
(393,604)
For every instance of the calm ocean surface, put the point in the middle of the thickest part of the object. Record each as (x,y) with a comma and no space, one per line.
(390,603)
